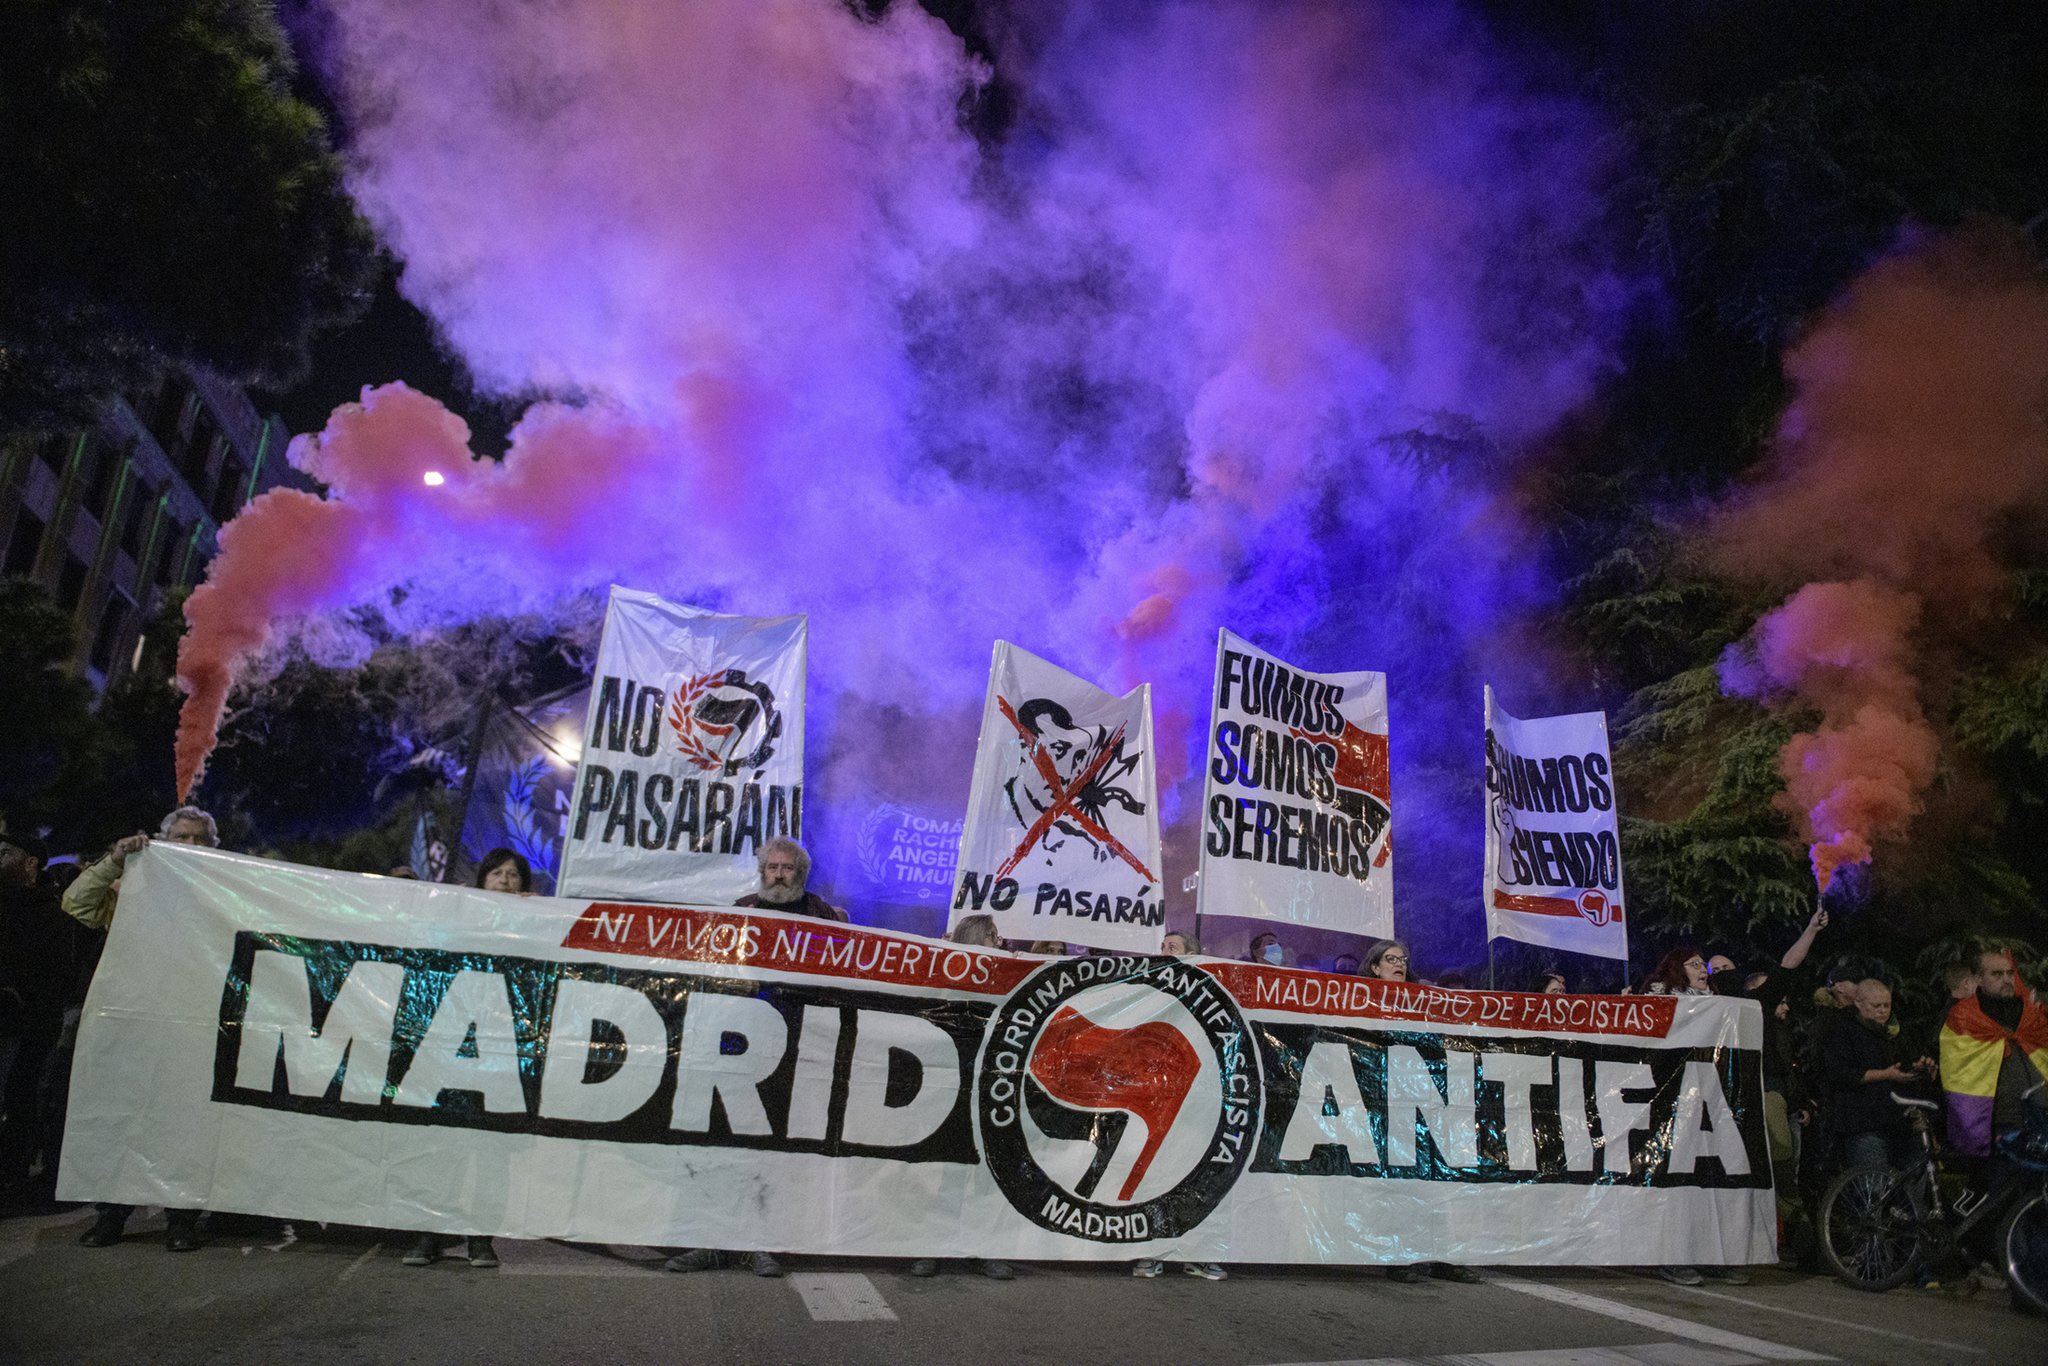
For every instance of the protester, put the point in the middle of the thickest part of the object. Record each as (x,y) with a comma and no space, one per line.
(501,870)
(976,931)
(785,877)
(92,900)
(1551,982)
(1960,979)
(1861,1069)
(1389,961)
(1345,965)
(1179,944)
(1681,972)
(41,949)
(1994,1049)
(1266,948)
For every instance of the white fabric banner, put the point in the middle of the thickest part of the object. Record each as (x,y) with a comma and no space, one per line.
(289,1041)
(1062,833)
(693,753)
(1297,808)
(1553,841)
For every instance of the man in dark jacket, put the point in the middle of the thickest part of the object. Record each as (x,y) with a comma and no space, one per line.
(1861,1068)
(41,949)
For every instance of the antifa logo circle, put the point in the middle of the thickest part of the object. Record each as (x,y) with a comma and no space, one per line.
(717,716)
(1117,1099)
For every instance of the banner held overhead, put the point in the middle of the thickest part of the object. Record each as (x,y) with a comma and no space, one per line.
(1062,834)
(1553,843)
(693,753)
(1297,806)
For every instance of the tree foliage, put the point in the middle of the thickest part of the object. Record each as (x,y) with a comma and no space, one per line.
(164,198)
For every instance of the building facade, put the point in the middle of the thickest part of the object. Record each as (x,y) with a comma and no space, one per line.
(114,517)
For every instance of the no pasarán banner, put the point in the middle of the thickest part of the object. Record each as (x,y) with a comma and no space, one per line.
(1297,805)
(1062,833)
(1553,844)
(335,1046)
(693,753)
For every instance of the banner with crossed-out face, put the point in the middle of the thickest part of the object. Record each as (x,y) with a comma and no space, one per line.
(1062,833)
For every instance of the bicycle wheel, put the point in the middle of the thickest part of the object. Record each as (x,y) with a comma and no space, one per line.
(2026,1253)
(1870,1227)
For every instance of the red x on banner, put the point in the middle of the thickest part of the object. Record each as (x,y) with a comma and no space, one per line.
(1064,796)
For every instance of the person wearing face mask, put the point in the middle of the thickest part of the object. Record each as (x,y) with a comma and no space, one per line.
(1266,948)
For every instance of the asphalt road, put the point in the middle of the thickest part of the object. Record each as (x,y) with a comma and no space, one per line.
(262,1292)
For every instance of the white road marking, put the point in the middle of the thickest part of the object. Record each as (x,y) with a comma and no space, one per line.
(1834,1323)
(357,1265)
(841,1297)
(1646,1354)
(1662,1323)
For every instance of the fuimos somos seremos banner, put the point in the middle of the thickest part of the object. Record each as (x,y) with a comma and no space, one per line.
(396,1054)
(693,753)
(1297,813)
(1062,833)
(1553,842)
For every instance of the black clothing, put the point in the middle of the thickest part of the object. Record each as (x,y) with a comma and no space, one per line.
(42,951)
(812,905)
(1851,1047)
(2005,1011)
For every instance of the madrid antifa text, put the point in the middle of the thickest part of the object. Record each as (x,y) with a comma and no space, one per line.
(588,1050)
(1328,828)
(1418,1104)
(641,809)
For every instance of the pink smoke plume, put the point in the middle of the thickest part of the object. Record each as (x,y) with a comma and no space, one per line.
(1241,323)
(1915,442)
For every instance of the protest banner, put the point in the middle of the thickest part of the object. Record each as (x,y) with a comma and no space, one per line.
(1062,833)
(334,1046)
(1297,808)
(693,753)
(1553,843)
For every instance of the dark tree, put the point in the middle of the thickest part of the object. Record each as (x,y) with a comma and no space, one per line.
(164,198)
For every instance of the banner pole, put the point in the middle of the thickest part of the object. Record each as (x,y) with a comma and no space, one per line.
(1489,964)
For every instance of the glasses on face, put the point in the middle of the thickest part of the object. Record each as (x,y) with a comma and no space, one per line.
(1395,960)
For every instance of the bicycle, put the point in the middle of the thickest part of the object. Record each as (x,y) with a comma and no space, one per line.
(1880,1225)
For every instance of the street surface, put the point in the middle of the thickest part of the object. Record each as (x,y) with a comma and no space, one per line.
(260,1292)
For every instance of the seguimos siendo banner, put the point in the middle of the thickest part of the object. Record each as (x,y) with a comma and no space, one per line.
(317,1045)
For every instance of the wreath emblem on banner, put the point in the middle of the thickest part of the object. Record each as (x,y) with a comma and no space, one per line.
(717,715)
(522,822)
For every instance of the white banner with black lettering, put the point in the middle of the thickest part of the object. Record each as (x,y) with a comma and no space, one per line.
(1297,804)
(1062,833)
(403,1055)
(1553,842)
(693,753)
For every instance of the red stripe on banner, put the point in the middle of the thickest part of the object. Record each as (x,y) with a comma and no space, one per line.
(792,944)
(1551,905)
(1320,993)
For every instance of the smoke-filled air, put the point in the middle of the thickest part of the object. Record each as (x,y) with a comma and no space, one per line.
(1913,458)
(1245,315)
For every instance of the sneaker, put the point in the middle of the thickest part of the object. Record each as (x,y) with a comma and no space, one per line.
(925,1266)
(1445,1271)
(1208,1271)
(105,1230)
(1726,1275)
(1407,1275)
(425,1251)
(1147,1268)
(481,1254)
(694,1259)
(1680,1275)
(997,1270)
(764,1264)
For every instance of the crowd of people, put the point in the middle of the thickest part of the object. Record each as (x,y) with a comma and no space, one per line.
(1834,1054)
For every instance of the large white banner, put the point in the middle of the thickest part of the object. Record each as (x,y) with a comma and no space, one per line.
(335,1046)
(1553,842)
(693,753)
(1062,833)
(1297,809)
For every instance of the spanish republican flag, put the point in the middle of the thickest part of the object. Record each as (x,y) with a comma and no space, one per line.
(1972,1050)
